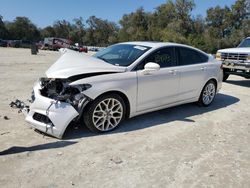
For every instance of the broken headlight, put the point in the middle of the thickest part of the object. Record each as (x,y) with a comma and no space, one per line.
(59,89)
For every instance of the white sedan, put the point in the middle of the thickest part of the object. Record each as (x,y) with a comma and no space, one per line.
(121,81)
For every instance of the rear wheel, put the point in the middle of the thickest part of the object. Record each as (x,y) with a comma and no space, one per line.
(105,113)
(208,93)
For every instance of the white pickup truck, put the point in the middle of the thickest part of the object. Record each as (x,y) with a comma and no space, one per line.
(236,60)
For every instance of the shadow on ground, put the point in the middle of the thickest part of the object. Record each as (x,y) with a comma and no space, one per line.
(17,149)
(179,113)
(244,83)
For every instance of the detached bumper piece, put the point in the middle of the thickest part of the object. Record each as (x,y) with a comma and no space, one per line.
(50,116)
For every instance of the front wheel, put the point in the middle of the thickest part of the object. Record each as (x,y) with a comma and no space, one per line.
(208,93)
(105,113)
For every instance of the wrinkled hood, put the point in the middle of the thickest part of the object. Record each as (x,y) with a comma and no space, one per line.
(73,63)
(235,50)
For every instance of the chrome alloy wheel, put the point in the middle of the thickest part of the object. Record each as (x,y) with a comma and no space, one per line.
(107,114)
(208,93)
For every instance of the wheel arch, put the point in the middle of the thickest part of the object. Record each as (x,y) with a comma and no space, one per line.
(205,83)
(123,96)
(214,80)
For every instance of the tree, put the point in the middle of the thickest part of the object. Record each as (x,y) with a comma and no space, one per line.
(134,26)
(48,32)
(62,29)
(100,32)
(78,30)
(23,28)
(174,20)
(160,19)
(183,11)
(3,31)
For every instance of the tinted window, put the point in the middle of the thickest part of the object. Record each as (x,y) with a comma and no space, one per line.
(188,56)
(164,57)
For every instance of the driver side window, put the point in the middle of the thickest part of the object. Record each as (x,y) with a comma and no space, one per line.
(164,57)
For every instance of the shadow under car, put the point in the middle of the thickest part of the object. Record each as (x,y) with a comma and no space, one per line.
(180,113)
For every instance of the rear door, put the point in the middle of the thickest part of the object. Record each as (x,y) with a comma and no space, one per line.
(193,67)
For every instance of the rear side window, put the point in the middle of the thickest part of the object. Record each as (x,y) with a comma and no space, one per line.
(189,56)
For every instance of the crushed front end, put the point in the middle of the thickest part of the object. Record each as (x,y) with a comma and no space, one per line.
(55,104)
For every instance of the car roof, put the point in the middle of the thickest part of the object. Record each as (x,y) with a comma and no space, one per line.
(154,44)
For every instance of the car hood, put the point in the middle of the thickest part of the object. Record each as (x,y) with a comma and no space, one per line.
(235,50)
(73,63)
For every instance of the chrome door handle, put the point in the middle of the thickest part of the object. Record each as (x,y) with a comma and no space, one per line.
(173,72)
(203,68)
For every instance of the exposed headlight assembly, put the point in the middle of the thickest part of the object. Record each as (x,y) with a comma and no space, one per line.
(61,90)
(73,93)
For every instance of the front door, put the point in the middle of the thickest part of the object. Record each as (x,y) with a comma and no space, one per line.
(161,87)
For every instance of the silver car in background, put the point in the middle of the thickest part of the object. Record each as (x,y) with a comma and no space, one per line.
(121,81)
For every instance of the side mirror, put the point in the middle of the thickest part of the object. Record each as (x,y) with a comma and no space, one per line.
(150,68)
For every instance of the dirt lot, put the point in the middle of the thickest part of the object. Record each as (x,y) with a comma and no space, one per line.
(185,146)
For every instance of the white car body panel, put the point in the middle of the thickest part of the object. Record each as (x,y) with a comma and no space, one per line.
(145,93)
(157,89)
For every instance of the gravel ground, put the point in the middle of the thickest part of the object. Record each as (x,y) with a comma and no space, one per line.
(184,146)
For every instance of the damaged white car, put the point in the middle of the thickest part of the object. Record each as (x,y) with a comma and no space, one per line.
(121,81)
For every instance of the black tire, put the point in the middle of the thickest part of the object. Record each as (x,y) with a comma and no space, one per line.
(225,76)
(201,101)
(89,112)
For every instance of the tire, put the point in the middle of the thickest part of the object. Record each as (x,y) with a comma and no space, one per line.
(105,113)
(225,76)
(207,94)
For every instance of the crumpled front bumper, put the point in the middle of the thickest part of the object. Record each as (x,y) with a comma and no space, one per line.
(50,116)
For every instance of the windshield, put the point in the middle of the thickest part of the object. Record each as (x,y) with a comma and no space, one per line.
(245,43)
(121,54)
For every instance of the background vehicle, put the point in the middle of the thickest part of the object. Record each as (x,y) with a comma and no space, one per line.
(123,80)
(236,60)
(14,43)
(53,43)
(20,43)
(78,48)
(3,43)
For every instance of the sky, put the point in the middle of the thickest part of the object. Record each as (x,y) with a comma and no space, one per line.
(45,12)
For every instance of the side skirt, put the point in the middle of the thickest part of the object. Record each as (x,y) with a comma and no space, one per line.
(195,99)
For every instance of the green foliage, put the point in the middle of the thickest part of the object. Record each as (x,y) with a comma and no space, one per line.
(100,32)
(22,28)
(170,22)
(3,31)
(134,26)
